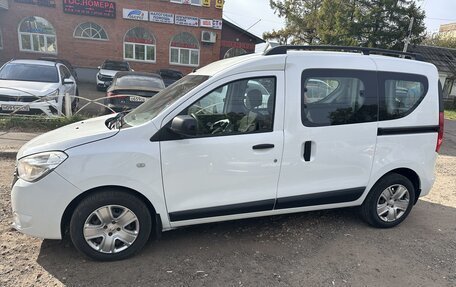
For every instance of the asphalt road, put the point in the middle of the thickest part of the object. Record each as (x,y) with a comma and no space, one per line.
(88,106)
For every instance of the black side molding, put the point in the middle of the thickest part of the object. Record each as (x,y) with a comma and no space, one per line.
(337,196)
(256,206)
(329,197)
(407,130)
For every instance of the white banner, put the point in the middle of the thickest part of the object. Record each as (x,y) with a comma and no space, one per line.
(207,23)
(161,17)
(187,21)
(139,15)
(217,24)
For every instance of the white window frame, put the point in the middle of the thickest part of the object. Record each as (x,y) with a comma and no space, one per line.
(87,38)
(30,35)
(176,1)
(191,2)
(145,52)
(178,56)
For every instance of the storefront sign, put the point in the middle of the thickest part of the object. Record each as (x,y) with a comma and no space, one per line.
(139,15)
(219,4)
(97,8)
(161,17)
(217,24)
(232,44)
(187,21)
(206,23)
(207,3)
(46,3)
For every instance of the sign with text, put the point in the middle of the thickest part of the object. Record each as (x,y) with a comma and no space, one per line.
(161,17)
(207,23)
(187,21)
(46,3)
(96,8)
(217,24)
(207,3)
(139,15)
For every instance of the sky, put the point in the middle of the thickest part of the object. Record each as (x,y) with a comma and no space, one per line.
(246,13)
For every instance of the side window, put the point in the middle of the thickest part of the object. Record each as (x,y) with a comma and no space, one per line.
(338,97)
(239,107)
(400,94)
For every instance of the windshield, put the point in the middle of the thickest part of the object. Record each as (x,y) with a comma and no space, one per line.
(140,81)
(115,66)
(162,100)
(29,72)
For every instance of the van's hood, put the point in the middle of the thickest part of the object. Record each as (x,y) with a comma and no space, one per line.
(24,88)
(69,136)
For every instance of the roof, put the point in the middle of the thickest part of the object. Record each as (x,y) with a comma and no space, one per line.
(34,62)
(443,58)
(257,39)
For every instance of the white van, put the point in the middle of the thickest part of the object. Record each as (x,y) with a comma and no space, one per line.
(327,129)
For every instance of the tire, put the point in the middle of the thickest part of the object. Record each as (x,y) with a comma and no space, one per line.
(108,236)
(384,207)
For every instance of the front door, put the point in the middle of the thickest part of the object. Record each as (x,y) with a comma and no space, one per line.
(231,168)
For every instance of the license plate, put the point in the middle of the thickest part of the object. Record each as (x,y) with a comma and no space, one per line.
(11,108)
(137,99)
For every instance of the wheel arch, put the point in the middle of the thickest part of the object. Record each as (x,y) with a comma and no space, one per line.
(66,217)
(410,175)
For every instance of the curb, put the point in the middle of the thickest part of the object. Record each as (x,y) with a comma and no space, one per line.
(10,154)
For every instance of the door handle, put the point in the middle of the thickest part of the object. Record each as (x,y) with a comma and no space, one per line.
(263,146)
(307,150)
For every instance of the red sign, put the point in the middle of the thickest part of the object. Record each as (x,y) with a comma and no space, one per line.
(97,8)
(232,44)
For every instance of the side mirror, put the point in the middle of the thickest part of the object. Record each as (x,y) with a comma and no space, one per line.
(68,82)
(99,67)
(184,125)
(132,70)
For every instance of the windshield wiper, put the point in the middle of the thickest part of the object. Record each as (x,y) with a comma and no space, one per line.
(115,122)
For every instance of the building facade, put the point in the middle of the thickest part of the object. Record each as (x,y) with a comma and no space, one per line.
(237,41)
(150,34)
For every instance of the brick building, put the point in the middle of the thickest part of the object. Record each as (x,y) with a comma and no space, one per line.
(237,41)
(151,34)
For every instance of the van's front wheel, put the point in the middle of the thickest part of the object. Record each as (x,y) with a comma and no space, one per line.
(110,225)
(389,202)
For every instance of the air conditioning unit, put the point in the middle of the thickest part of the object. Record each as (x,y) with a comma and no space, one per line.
(208,37)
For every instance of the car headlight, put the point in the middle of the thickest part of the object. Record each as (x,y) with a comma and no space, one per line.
(50,97)
(100,77)
(34,167)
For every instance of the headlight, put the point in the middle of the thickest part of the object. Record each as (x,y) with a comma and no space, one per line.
(50,97)
(100,77)
(36,166)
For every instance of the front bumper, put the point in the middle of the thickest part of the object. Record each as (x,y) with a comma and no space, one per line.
(50,108)
(38,207)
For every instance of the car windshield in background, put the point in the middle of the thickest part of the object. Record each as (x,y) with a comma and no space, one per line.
(115,66)
(31,73)
(162,100)
(140,81)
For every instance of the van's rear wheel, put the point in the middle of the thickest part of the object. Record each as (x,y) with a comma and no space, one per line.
(389,201)
(110,225)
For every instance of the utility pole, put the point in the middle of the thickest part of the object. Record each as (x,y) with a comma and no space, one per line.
(409,36)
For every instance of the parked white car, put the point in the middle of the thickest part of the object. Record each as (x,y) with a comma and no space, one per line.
(108,70)
(368,138)
(36,87)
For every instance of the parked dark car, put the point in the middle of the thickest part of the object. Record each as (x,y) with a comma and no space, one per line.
(169,76)
(130,89)
(64,62)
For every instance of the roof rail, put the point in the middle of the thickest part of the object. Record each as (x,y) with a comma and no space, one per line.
(282,50)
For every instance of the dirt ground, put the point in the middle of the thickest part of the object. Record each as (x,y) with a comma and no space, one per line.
(326,248)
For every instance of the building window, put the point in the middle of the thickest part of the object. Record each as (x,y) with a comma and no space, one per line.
(90,31)
(36,34)
(139,45)
(192,2)
(234,52)
(184,50)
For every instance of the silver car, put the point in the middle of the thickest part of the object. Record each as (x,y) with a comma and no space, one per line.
(36,87)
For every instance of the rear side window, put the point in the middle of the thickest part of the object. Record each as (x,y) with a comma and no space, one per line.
(400,94)
(338,97)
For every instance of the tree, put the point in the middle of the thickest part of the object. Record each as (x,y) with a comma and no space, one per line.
(441,40)
(370,23)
